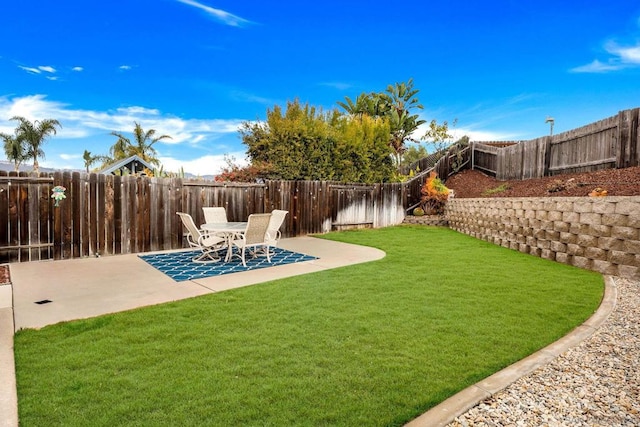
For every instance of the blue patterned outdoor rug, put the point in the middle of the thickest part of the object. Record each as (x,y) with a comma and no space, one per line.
(179,267)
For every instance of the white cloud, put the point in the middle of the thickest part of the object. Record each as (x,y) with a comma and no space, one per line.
(474,135)
(124,67)
(484,135)
(85,122)
(39,69)
(248,97)
(206,165)
(90,125)
(337,85)
(30,69)
(70,156)
(218,14)
(138,110)
(77,69)
(626,54)
(31,107)
(596,67)
(619,57)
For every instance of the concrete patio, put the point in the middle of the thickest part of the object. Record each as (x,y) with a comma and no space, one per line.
(89,287)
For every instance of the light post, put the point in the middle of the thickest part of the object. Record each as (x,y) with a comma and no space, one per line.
(550,120)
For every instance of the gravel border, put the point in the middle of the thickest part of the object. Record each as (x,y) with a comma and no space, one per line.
(596,383)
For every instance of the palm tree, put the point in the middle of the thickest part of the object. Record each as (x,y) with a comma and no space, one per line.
(402,99)
(90,159)
(402,125)
(120,148)
(372,104)
(14,149)
(33,136)
(143,146)
(396,105)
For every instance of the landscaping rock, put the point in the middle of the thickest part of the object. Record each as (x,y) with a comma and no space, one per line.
(594,384)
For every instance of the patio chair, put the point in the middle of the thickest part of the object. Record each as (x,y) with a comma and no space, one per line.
(273,231)
(253,238)
(209,243)
(214,214)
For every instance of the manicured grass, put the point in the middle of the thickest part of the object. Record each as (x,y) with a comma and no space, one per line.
(374,344)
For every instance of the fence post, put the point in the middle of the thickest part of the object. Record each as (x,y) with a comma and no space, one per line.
(472,147)
(547,156)
(634,138)
(622,137)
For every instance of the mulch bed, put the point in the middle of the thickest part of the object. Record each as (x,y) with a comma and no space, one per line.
(617,182)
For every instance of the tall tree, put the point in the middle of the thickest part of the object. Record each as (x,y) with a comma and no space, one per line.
(34,135)
(90,159)
(370,104)
(14,149)
(142,145)
(402,99)
(438,135)
(397,104)
(414,153)
(303,143)
(120,148)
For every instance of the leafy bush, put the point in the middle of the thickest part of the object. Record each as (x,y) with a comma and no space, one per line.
(434,195)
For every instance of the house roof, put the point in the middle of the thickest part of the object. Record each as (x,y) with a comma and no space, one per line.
(133,164)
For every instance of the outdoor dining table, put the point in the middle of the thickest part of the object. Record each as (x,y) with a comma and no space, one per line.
(227,230)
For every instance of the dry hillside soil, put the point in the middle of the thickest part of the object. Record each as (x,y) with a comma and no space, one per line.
(616,182)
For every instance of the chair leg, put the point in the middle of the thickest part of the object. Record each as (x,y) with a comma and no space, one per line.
(244,263)
(263,251)
(206,256)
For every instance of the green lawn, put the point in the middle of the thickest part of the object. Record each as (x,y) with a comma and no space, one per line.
(374,344)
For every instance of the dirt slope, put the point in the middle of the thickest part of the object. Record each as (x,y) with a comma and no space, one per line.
(617,182)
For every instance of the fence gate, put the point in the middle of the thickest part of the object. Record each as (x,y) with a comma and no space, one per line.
(352,206)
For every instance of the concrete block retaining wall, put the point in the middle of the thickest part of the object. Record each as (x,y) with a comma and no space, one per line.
(595,233)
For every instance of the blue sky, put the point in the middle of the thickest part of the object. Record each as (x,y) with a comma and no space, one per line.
(196,69)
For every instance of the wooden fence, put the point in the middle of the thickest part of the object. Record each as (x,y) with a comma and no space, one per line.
(456,158)
(610,143)
(108,214)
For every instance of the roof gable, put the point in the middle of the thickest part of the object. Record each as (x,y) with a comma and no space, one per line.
(131,165)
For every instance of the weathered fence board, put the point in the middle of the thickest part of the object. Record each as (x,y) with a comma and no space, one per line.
(103,215)
(484,157)
(612,142)
(353,206)
(628,136)
(4,213)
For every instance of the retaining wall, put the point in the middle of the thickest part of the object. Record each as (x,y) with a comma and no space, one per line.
(437,220)
(595,233)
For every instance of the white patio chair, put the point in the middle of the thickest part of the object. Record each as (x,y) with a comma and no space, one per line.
(253,238)
(214,214)
(273,231)
(208,243)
